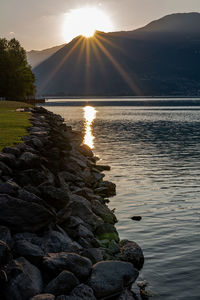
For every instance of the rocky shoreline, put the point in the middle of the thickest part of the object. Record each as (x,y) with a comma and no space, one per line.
(57,235)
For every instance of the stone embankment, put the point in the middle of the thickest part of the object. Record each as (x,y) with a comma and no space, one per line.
(57,235)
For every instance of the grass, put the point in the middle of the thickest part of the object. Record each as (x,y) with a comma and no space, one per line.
(13,125)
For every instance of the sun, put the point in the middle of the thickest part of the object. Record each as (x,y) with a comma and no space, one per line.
(85,21)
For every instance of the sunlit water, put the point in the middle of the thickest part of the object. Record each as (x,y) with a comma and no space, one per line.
(155,160)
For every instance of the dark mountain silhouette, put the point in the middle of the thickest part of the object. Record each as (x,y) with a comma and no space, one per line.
(35,57)
(162,58)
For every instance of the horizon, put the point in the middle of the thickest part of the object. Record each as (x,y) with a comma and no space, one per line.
(48,19)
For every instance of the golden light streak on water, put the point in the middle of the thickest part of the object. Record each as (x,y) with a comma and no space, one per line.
(89,116)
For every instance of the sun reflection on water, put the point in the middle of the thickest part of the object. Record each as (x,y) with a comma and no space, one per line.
(89,116)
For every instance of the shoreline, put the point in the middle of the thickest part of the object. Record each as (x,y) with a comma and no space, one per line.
(54,221)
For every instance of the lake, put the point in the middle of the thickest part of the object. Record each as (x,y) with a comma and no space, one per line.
(154,153)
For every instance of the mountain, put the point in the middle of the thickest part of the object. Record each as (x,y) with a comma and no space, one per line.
(162,58)
(35,57)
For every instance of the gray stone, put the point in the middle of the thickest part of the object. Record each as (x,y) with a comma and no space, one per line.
(29,160)
(104,212)
(126,295)
(82,292)
(28,250)
(57,262)
(24,280)
(5,254)
(44,297)
(20,215)
(131,252)
(109,278)
(111,188)
(25,195)
(62,284)
(8,159)
(81,208)
(9,188)
(94,254)
(12,150)
(56,197)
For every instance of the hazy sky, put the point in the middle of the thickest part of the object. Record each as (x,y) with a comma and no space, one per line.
(38,24)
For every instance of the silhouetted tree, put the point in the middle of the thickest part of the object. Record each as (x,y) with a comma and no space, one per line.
(16,77)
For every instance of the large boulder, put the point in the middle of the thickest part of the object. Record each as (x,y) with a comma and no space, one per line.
(109,278)
(131,252)
(24,280)
(58,262)
(62,284)
(21,216)
(81,208)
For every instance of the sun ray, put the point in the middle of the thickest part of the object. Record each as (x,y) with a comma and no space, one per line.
(121,71)
(59,65)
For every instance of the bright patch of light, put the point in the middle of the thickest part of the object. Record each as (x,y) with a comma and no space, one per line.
(85,21)
(89,116)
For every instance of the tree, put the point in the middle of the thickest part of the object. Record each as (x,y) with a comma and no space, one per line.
(16,77)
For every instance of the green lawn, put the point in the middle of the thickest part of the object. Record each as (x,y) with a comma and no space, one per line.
(13,124)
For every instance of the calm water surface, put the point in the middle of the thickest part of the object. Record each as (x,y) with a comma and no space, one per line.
(155,160)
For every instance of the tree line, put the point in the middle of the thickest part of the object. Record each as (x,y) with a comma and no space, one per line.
(16,77)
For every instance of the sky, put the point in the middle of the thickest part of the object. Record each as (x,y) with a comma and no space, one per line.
(39,24)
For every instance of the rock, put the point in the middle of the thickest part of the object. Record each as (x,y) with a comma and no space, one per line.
(136,218)
(82,292)
(109,278)
(86,151)
(98,176)
(56,197)
(102,168)
(9,188)
(104,212)
(5,254)
(110,188)
(34,177)
(94,254)
(57,262)
(30,251)
(113,248)
(29,160)
(108,232)
(44,297)
(29,217)
(126,295)
(65,177)
(12,150)
(5,169)
(25,195)
(59,241)
(81,208)
(24,280)
(132,252)
(8,159)
(62,284)
(5,235)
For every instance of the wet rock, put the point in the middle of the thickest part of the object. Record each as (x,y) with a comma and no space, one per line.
(109,278)
(5,169)
(55,197)
(44,297)
(132,252)
(94,254)
(108,232)
(62,284)
(104,212)
(57,262)
(30,216)
(12,150)
(24,280)
(136,218)
(30,251)
(81,207)
(5,254)
(9,188)
(5,235)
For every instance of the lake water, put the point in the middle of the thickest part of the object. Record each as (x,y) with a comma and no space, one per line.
(154,154)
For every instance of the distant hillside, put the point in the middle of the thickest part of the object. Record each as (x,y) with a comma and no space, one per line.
(162,58)
(35,57)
